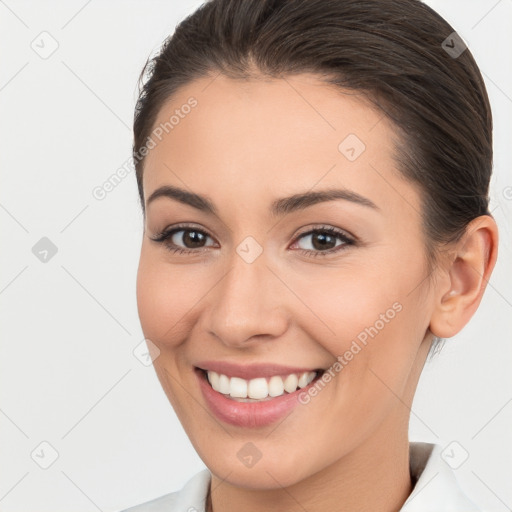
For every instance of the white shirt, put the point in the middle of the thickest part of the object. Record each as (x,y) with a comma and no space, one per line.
(436,488)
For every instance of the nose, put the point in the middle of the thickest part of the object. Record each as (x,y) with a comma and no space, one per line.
(249,305)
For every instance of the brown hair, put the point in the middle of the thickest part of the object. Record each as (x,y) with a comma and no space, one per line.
(398,53)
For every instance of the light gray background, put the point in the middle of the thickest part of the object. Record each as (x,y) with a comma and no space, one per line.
(68,375)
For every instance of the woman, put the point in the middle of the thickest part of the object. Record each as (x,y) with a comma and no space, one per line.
(314,179)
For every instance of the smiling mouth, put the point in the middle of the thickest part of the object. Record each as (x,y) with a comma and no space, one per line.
(259,389)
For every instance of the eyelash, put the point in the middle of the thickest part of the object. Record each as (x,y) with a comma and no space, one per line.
(165,235)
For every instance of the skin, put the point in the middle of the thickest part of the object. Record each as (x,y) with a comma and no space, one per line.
(244,145)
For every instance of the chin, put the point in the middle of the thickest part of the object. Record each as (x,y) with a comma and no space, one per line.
(242,464)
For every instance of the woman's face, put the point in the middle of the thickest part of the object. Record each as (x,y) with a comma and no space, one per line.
(263,291)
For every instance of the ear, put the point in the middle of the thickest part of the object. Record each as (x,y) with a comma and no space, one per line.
(465,275)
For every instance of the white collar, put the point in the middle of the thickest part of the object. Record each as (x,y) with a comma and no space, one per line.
(436,488)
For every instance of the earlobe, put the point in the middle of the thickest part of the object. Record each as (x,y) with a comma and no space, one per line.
(466,275)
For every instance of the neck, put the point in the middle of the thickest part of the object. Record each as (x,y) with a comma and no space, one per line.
(373,477)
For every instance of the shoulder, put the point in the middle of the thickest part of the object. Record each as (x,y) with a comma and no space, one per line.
(165,502)
(436,486)
(191,498)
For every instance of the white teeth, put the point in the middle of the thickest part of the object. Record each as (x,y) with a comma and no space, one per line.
(275,386)
(290,383)
(259,388)
(238,387)
(224,386)
(214,380)
(303,380)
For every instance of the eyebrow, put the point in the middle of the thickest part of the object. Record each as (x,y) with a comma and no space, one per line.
(278,208)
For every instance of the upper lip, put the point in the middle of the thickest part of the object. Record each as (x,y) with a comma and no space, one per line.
(251,371)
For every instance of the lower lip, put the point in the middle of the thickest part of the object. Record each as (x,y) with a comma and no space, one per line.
(248,414)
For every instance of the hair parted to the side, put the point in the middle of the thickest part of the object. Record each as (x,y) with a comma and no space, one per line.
(390,51)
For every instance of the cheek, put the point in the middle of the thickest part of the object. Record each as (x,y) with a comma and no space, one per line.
(344,302)
(367,315)
(164,298)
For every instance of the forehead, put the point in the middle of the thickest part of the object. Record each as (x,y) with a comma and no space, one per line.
(262,137)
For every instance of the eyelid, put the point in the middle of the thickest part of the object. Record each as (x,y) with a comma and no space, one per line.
(326,227)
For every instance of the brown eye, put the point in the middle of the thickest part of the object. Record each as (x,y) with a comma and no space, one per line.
(324,241)
(192,239)
(183,239)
